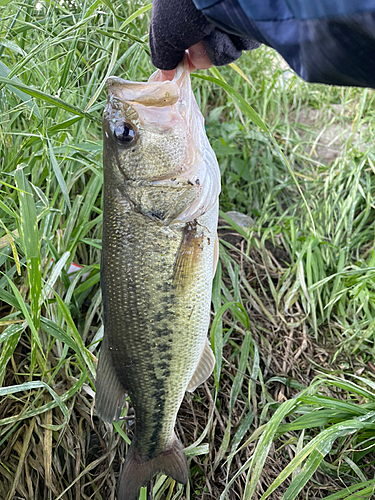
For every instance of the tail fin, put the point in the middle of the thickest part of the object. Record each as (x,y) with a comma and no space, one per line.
(138,470)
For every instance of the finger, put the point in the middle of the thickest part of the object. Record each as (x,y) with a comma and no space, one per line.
(198,56)
(166,75)
(190,64)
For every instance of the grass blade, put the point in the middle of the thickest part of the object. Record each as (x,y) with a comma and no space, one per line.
(135,14)
(26,442)
(55,101)
(59,175)
(28,227)
(320,445)
(86,354)
(10,338)
(348,493)
(34,332)
(27,386)
(238,99)
(264,445)
(4,71)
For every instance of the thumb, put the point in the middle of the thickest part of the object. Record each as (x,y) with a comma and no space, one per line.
(198,56)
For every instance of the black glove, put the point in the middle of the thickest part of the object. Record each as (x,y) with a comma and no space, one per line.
(176,25)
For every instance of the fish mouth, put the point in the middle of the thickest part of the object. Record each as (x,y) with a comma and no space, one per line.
(162,105)
(153,93)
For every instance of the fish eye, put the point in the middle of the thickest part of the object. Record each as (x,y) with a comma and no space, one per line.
(124,133)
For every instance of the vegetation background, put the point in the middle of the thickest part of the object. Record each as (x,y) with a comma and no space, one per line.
(290,410)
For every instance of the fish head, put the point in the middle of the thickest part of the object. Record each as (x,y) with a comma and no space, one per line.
(154,133)
(145,123)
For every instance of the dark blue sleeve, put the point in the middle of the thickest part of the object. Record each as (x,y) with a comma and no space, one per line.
(324,41)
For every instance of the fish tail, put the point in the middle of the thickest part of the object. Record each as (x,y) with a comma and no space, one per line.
(138,470)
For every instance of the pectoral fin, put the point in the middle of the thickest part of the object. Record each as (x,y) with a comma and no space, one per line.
(204,368)
(110,395)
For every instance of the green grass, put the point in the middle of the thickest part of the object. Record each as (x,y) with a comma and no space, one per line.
(294,294)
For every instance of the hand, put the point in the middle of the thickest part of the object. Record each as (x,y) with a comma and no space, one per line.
(197,59)
(177,26)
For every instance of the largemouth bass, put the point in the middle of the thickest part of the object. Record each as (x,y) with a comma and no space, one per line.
(161,187)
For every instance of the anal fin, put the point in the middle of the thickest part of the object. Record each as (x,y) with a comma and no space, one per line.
(204,369)
(110,395)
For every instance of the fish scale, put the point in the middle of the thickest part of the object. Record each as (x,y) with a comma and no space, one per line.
(159,229)
(141,298)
